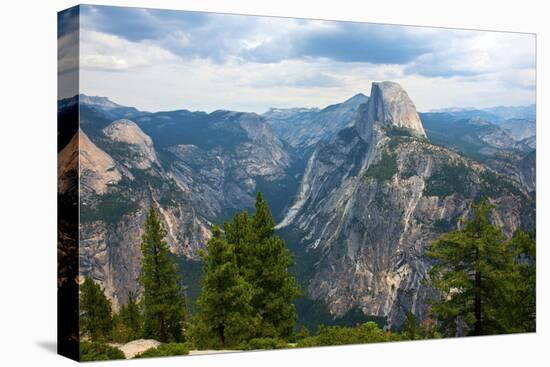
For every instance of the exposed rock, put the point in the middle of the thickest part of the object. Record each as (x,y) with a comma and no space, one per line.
(528,170)
(193,187)
(373,194)
(367,209)
(135,347)
(303,128)
(67,166)
(520,129)
(97,168)
(390,104)
(141,153)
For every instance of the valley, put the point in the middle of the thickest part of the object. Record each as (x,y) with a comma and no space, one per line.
(359,190)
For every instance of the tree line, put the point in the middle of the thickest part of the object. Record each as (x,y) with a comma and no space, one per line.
(485,285)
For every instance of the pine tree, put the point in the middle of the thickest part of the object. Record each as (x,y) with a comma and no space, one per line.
(128,321)
(131,316)
(163,303)
(263,260)
(477,275)
(520,295)
(410,330)
(95,311)
(226,315)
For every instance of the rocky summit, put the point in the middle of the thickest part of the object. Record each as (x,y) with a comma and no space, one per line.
(359,189)
(391,106)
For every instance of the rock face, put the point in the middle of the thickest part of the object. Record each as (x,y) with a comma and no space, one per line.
(303,128)
(123,173)
(140,146)
(484,137)
(372,199)
(528,171)
(359,188)
(97,168)
(222,177)
(520,129)
(390,105)
(118,186)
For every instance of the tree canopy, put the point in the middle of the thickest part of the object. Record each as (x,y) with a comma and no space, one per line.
(95,311)
(162,299)
(486,282)
(247,286)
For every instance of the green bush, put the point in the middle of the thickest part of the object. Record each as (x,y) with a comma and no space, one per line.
(494,185)
(164,350)
(447,180)
(263,343)
(368,332)
(302,333)
(98,352)
(384,169)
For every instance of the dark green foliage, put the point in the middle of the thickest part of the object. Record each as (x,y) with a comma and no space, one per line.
(335,335)
(98,352)
(207,131)
(119,149)
(263,343)
(110,208)
(414,331)
(95,311)
(166,350)
(305,259)
(400,131)
(128,322)
(163,302)
(522,295)
(461,134)
(247,289)
(444,225)
(264,260)
(348,134)
(385,168)
(494,185)
(410,329)
(313,313)
(191,272)
(302,333)
(482,279)
(226,317)
(447,180)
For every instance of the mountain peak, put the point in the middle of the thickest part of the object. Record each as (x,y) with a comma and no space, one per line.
(390,104)
(97,101)
(357,99)
(126,131)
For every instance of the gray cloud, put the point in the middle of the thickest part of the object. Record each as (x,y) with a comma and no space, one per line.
(270,61)
(347,42)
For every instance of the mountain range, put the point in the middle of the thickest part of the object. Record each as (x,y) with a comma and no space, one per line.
(359,189)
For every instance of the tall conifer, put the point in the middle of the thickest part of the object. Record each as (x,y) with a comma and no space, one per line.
(484,284)
(163,302)
(226,317)
(96,319)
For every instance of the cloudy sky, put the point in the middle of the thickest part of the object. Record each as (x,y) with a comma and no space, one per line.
(162,60)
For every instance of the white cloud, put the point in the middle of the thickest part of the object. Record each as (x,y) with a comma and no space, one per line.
(102,51)
(469,53)
(207,68)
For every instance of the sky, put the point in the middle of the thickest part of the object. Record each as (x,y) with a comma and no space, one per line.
(165,60)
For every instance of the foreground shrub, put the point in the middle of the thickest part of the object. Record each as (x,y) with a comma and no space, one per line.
(368,332)
(168,349)
(98,352)
(263,343)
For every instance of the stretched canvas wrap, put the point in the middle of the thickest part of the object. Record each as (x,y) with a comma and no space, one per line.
(234,182)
